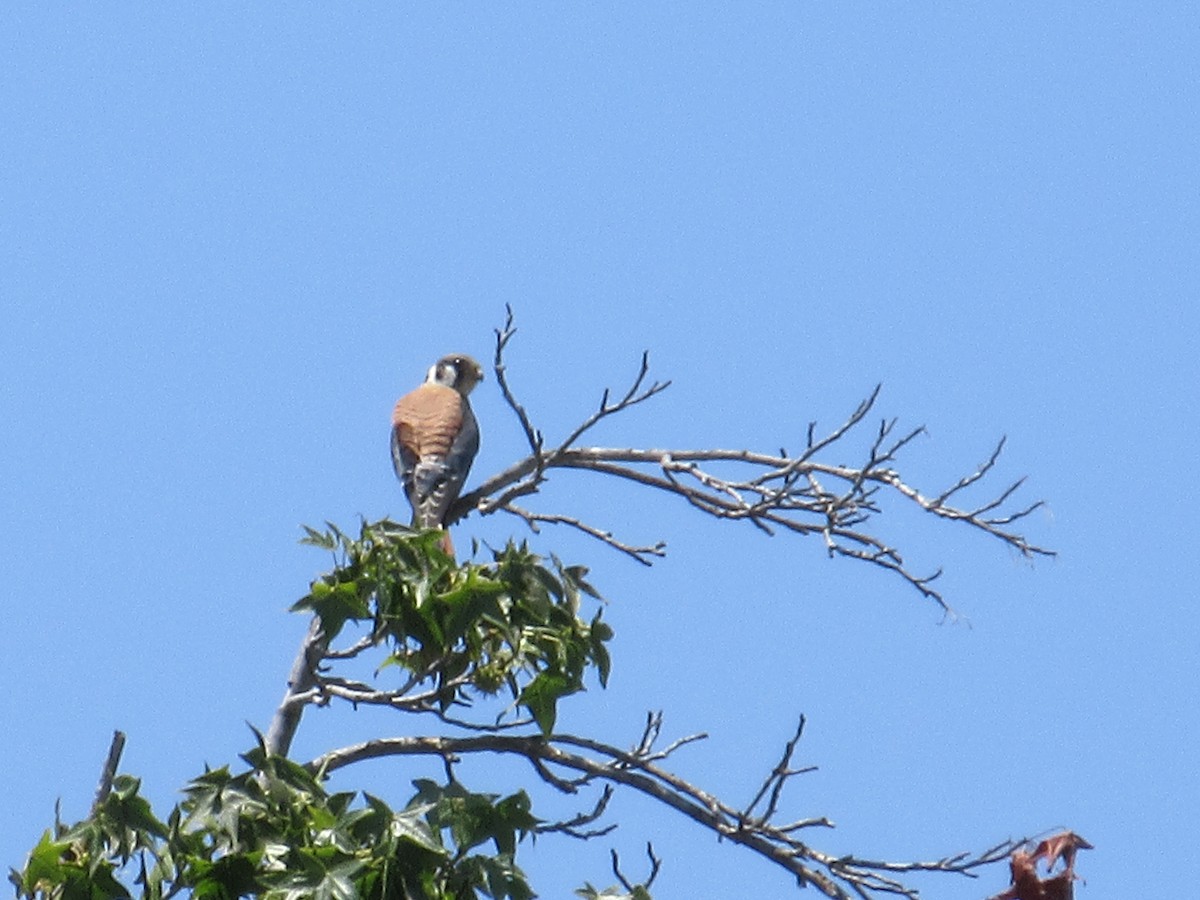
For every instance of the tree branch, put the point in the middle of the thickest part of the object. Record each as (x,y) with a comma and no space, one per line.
(109,772)
(835,876)
(771,491)
(301,681)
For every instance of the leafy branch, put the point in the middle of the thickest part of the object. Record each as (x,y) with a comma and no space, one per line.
(518,598)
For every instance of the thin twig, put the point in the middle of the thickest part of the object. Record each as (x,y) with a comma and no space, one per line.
(776,779)
(655,867)
(573,827)
(534,520)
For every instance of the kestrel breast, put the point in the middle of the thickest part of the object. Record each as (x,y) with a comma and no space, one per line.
(428,420)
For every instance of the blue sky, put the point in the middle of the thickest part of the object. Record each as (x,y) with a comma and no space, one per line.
(232,236)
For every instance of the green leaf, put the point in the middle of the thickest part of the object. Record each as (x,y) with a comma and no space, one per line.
(411,825)
(323,539)
(44,865)
(416,832)
(599,632)
(125,808)
(541,698)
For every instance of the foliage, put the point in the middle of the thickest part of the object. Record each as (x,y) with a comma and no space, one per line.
(471,630)
(272,830)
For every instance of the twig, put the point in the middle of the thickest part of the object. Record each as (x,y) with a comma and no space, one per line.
(655,867)
(532,435)
(533,520)
(775,780)
(635,395)
(573,827)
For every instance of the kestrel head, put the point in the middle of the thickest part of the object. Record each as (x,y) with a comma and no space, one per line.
(457,371)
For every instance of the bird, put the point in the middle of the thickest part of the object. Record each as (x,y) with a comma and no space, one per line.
(435,438)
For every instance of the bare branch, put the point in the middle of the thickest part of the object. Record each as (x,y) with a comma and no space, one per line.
(301,681)
(968,480)
(361,694)
(835,876)
(771,491)
(838,433)
(635,395)
(493,728)
(363,643)
(109,772)
(532,435)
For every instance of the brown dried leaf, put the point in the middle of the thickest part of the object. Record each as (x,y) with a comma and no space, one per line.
(1027,885)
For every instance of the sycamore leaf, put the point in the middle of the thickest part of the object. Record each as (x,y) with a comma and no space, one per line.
(541,698)
(45,864)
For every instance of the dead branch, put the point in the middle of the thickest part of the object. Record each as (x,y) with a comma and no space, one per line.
(109,772)
(771,491)
(836,876)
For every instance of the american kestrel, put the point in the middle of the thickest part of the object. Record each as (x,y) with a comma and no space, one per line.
(435,438)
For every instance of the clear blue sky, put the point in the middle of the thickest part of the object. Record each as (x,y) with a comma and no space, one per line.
(231,235)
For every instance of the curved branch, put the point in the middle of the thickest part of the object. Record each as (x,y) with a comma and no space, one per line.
(771,491)
(835,876)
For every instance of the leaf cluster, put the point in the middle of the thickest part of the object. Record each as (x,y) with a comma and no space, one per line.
(465,630)
(273,831)
(457,633)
